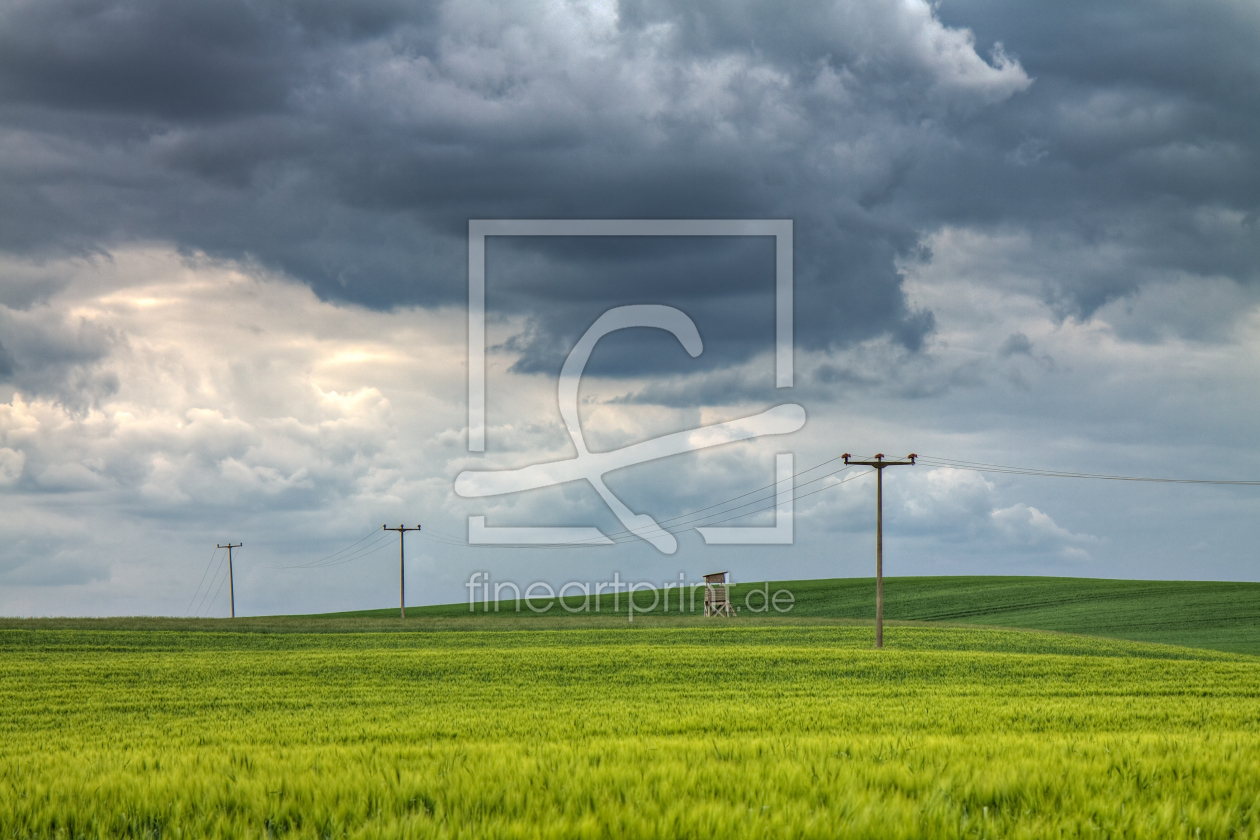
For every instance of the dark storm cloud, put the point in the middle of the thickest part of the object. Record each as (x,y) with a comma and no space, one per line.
(1141,133)
(200,61)
(156,59)
(348,143)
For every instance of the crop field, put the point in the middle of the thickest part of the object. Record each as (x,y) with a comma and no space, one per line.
(1221,615)
(741,728)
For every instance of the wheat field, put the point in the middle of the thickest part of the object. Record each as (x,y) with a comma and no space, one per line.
(730,730)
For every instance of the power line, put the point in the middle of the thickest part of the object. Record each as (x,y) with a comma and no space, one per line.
(625,536)
(618,536)
(705,516)
(217,591)
(366,551)
(350,553)
(210,586)
(979,466)
(630,537)
(441,537)
(321,560)
(702,521)
(213,554)
(798,496)
(354,554)
(773,486)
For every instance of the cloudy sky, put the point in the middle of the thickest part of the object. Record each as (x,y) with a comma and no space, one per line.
(234,278)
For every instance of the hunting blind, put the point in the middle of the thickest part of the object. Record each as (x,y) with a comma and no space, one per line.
(716,600)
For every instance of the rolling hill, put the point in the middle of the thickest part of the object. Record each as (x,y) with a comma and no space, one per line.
(1218,615)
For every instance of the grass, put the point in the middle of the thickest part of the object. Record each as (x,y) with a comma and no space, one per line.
(1213,614)
(767,726)
(738,729)
(1217,615)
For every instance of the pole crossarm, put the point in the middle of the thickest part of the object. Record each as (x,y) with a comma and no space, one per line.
(879,464)
(402,579)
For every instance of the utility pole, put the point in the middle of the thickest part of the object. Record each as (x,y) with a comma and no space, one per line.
(231,580)
(402,579)
(879,464)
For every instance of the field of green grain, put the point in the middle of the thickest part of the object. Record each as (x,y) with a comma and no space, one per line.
(736,729)
(1220,615)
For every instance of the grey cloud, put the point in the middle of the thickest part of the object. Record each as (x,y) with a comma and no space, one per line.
(1188,308)
(726,387)
(39,556)
(1015,344)
(47,354)
(1133,140)
(205,60)
(6,364)
(61,568)
(349,144)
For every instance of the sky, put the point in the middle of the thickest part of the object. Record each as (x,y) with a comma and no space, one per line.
(234,278)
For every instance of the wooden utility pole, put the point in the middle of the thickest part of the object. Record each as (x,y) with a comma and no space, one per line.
(231,580)
(402,578)
(879,463)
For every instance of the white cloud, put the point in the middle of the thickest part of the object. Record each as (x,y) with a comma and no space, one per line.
(11,463)
(952,496)
(1026,526)
(966,508)
(237,393)
(1000,327)
(248,409)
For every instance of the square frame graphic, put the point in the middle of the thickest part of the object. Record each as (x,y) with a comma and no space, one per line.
(781,533)
(479,229)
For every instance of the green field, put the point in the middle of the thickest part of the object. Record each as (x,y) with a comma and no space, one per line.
(552,724)
(1212,614)
(744,728)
